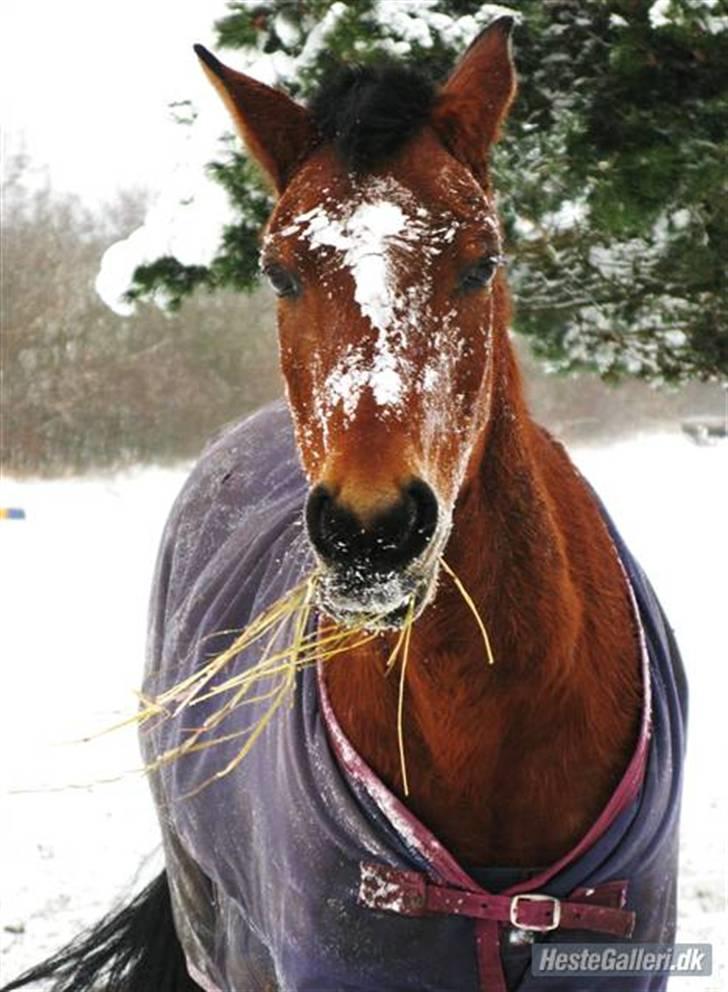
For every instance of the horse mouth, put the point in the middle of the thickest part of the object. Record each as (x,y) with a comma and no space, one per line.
(357,599)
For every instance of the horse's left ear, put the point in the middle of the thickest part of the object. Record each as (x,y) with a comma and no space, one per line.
(475,99)
(278,132)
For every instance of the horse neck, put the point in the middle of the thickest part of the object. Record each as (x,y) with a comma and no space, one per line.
(492,751)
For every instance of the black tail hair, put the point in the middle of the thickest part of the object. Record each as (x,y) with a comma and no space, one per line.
(133,950)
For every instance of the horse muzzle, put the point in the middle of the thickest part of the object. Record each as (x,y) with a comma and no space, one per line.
(379,567)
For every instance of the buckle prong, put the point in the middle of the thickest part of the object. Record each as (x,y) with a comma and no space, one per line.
(541,927)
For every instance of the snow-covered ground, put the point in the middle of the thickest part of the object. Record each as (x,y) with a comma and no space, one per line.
(74,581)
(75,577)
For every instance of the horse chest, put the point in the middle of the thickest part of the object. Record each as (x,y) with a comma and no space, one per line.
(489,802)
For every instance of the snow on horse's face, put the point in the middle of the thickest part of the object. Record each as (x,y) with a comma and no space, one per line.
(385,322)
(388,287)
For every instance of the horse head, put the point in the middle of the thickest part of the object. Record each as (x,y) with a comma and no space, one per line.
(385,251)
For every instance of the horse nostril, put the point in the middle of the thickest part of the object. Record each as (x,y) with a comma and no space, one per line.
(331,528)
(423,515)
(389,541)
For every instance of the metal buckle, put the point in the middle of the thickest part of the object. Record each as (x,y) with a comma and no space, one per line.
(542,928)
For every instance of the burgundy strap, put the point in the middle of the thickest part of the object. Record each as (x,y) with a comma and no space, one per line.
(410,893)
(487,947)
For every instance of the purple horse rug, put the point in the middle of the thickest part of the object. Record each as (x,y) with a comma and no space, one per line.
(299,870)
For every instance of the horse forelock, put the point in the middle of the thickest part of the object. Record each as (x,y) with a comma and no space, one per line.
(369,113)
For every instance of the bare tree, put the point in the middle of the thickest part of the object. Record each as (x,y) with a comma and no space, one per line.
(83,387)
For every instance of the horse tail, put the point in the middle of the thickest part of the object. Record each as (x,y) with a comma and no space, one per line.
(132,950)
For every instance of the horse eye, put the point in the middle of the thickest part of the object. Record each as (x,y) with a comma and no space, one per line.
(283,281)
(480,274)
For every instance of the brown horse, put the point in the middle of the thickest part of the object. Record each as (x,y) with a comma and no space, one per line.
(426,476)
(416,440)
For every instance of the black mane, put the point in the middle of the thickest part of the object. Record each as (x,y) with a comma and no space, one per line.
(370,112)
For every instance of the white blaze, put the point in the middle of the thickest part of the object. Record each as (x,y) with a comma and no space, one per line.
(367,236)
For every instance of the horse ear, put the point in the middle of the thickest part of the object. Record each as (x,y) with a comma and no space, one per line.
(278,132)
(475,99)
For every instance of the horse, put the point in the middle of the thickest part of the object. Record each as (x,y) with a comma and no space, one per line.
(519,782)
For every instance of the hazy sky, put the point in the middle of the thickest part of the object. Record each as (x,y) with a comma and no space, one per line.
(87,82)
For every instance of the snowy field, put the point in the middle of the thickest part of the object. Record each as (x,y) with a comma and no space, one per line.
(74,582)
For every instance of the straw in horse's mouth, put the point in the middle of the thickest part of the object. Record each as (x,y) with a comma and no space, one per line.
(272,678)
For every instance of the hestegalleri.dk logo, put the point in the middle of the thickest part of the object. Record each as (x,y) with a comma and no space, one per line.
(603,960)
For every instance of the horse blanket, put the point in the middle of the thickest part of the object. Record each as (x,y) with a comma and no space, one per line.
(299,870)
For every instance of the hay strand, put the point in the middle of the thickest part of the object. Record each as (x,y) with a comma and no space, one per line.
(273,677)
(473,609)
(405,640)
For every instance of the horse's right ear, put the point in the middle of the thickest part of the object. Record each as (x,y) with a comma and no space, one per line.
(475,99)
(278,132)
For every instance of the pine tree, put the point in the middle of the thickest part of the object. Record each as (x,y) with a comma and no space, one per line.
(611,174)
